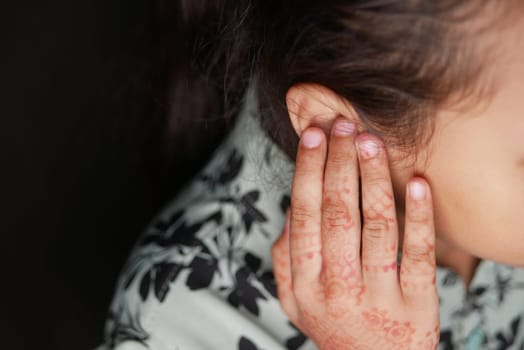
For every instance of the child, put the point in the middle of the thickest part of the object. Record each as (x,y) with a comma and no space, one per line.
(405,195)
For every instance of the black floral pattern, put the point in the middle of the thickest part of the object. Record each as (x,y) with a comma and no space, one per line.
(175,233)
(446,340)
(285,201)
(244,292)
(506,340)
(227,173)
(246,344)
(158,277)
(296,341)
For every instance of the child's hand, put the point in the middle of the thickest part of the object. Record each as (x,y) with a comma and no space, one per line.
(337,279)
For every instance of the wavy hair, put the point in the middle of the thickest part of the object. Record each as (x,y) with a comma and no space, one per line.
(396,61)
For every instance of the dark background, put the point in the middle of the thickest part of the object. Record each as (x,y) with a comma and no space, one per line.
(75,190)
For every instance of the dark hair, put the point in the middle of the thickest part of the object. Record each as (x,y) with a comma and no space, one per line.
(396,61)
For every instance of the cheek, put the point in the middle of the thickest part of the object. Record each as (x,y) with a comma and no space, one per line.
(481,211)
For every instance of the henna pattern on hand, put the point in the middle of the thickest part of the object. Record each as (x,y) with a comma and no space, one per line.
(377,331)
(391,267)
(336,213)
(380,202)
(306,246)
(431,340)
(423,266)
(331,304)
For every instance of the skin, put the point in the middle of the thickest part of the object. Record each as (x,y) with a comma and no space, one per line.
(332,270)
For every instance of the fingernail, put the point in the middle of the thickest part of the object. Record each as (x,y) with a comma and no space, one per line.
(417,191)
(311,138)
(368,149)
(344,128)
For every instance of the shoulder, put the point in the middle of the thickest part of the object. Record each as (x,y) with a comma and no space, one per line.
(201,273)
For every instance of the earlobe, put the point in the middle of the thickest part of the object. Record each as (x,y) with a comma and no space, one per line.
(316,105)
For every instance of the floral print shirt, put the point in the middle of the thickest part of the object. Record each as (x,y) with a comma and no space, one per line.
(200,276)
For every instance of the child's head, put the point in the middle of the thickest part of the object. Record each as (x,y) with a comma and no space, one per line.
(442,81)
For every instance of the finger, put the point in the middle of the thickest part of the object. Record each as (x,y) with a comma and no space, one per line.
(306,197)
(380,228)
(418,266)
(340,214)
(282,272)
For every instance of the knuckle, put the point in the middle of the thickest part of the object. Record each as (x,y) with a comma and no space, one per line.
(416,253)
(306,170)
(375,229)
(339,158)
(334,211)
(308,163)
(300,211)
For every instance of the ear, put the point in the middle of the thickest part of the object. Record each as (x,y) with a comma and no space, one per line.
(316,105)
